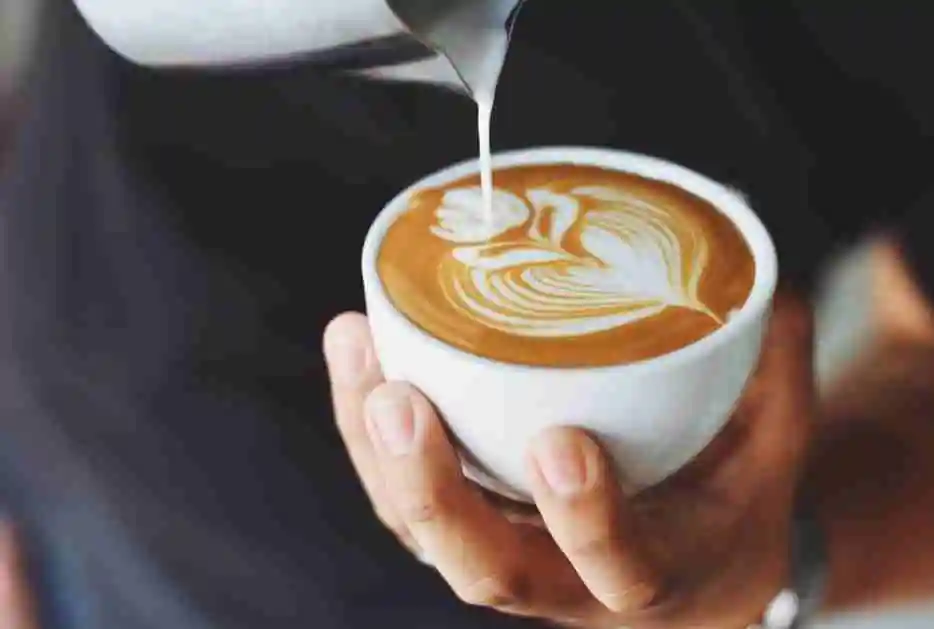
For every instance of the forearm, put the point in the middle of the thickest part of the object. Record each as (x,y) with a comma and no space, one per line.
(872,465)
(873,482)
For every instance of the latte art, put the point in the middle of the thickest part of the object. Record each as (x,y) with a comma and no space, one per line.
(589,260)
(574,266)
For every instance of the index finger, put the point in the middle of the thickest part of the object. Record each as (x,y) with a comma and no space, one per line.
(486,559)
(354,373)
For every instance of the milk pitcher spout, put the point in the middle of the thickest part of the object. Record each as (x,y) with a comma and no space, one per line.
(352,35)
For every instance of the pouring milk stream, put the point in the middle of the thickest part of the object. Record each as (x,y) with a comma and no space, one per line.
(474,37)
(456,43)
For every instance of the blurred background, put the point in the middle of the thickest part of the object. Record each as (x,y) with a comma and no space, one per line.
(16,39)
(844,306)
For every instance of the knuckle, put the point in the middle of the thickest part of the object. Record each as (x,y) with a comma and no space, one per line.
(632,587)
(505,591)
(427,507)
(421,511)
(594,548)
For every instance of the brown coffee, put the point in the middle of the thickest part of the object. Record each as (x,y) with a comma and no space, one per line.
(578,266)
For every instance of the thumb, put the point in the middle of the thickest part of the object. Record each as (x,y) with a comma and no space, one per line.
(16,605)
(785,387)
(788,349)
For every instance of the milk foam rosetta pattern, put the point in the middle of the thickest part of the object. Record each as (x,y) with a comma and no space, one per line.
(564,264)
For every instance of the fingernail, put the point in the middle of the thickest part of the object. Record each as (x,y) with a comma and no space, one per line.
(391,421)
(562,463)
(348,358)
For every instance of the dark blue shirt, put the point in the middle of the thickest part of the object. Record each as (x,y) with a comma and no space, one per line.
(174,242)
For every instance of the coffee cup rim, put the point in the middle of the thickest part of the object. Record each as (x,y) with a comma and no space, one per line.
(726,200)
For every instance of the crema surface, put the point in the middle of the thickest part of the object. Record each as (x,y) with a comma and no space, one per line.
(579,266)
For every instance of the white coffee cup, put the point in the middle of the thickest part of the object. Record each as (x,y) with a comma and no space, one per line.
(652,416)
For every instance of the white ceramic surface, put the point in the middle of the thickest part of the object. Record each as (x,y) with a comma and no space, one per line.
(653,416)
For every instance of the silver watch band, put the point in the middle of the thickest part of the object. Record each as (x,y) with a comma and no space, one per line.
(797,605)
